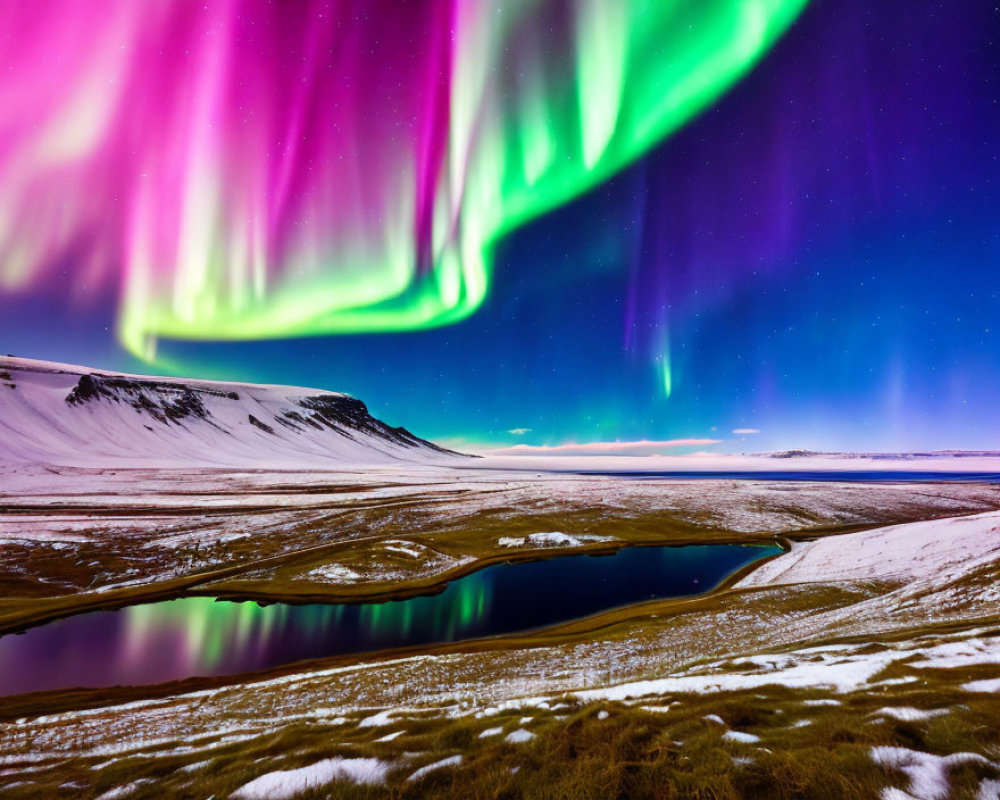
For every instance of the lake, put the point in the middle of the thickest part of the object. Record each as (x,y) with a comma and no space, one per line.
(198,636)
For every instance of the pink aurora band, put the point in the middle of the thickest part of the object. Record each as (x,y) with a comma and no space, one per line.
(249,169)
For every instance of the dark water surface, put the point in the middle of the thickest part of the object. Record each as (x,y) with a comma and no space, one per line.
(157,642)
(820,475)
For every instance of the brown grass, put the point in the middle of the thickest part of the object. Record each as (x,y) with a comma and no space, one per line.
(603,750)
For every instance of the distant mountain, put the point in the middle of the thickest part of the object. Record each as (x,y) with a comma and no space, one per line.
(67,415)
(914,456)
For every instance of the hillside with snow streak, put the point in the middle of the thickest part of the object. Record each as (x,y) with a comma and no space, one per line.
(74,416)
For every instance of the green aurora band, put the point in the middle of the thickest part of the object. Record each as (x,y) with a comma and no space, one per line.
(638,71)
(322,172)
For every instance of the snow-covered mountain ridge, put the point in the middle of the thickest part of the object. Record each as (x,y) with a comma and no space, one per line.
(75,416)
(888,456)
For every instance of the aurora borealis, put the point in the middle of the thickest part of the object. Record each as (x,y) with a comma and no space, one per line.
(580,220)
(263,170)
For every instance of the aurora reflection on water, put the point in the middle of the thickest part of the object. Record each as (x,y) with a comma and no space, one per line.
(198,636)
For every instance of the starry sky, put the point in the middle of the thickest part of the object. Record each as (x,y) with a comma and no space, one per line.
(805,252)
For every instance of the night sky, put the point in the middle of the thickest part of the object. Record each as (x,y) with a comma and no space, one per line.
(810,254)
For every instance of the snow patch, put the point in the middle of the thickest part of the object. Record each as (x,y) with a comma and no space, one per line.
(334,573)
(379,719)
(122,791)
(908,714)
(451,761)
(965,653)
(288,783)
(928,773)
(550,539)
(841,676)
(740,736)
(989,685)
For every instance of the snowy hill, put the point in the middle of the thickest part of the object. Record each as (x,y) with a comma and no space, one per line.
(927,455)
(74,416)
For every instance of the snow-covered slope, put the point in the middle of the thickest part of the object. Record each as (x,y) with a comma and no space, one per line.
(74,416)
(908,552)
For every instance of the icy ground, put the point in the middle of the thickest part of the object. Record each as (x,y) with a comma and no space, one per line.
(70,534)
(887,600)
(910,601)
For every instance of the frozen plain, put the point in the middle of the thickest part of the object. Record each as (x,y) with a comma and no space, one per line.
(882,618)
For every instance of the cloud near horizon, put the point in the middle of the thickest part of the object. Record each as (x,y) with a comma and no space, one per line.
(745,431)
(640,447)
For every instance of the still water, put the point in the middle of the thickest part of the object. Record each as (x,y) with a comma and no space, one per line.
(197,636)
(816,476)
